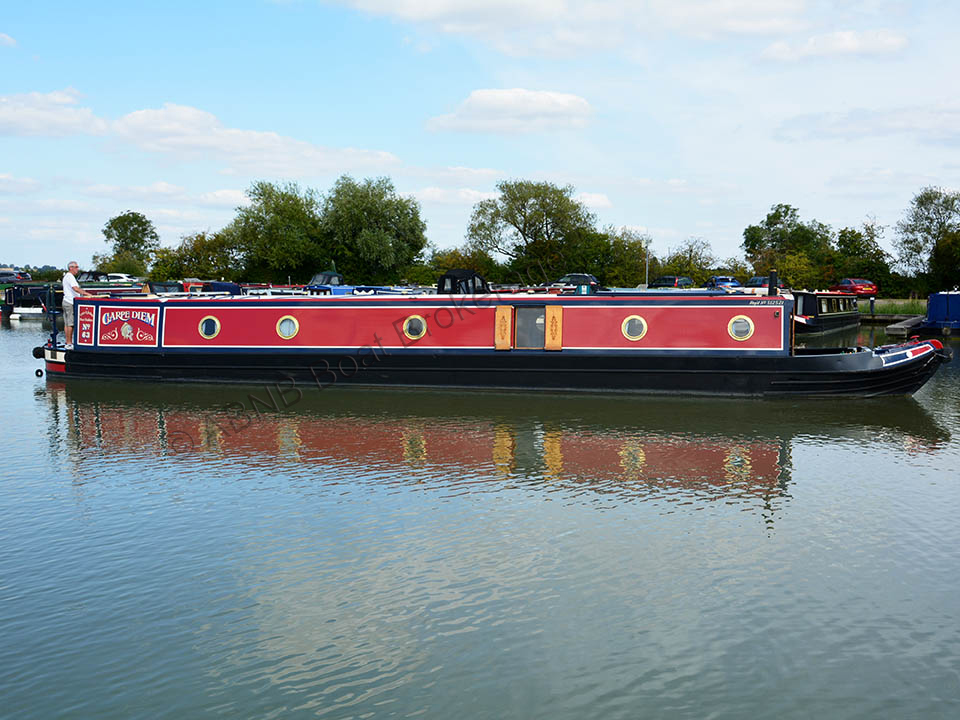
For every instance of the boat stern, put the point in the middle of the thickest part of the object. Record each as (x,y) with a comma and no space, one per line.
(54,359)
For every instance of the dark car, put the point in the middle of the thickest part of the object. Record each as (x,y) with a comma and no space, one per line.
(672,281)
(459,281)
(760,281)
(157,288)
(856,286)
(327,277)
(7,276)
(719,281)
(571,280)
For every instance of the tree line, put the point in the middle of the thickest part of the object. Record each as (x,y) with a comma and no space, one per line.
(532,232)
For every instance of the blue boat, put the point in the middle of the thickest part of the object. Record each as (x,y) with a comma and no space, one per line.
(943,313)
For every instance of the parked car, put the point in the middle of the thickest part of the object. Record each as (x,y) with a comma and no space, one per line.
(8,276)
(93,276)
(857,286)
(23,276)
(760,281)
(327,277)
(571,280)
(121,277)
(719,281)
(672,281)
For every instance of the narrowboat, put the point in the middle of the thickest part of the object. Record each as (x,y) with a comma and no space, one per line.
(821,312)
(26,301)
(943,314)
(694,342)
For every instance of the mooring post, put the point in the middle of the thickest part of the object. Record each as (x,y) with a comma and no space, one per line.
(52,314)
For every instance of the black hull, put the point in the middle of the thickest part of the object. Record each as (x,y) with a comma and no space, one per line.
(819,325)
(809,373)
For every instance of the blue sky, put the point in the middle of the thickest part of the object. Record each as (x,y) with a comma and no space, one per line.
(677,118)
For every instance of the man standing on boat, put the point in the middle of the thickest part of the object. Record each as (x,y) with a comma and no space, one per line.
(71,290)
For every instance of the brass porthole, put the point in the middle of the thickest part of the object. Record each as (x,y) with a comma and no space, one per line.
(288,327)
(633,327)
(209,327)
(415,327)
(740,328)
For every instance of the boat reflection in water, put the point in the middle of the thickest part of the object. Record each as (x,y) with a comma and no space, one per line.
(628,449)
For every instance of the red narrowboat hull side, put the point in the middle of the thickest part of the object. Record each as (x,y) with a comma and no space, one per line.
(588,323)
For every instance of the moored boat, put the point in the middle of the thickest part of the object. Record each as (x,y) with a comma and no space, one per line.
(821,312)
(695,342)
(943,314)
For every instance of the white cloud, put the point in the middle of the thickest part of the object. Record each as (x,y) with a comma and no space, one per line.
(461,175)
(454,196)
(7,41)
(51,114)
(224,198)
(594,200)
(842,42)
(10,185)
(559,27)
(743,17)
(931,124)
(515,110)
(164,192)
(879,182)
(137,192)
(192,133)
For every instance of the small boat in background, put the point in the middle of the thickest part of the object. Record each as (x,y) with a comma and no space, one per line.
(820,312)
(943,314)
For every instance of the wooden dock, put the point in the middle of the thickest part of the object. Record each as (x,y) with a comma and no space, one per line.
(905,326)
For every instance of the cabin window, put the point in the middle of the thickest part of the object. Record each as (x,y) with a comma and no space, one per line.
(740,327)
(209,327)
(824,305)
(531,322)
(415,327)
(634,328)
(288,327)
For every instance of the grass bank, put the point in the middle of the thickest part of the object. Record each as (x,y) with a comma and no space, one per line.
(891,306)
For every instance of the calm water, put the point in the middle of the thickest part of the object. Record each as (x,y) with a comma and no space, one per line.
(171,552)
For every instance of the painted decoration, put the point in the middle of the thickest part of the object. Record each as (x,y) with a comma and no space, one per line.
(86,319)
(128,326)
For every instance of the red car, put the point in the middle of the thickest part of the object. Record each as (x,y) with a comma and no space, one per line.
(856,286)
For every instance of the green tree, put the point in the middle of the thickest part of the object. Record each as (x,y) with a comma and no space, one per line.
(694,258)
(132,238)
(427,270)
(120,262)
(209,256)
(468,258)
(167,265)
(797,270)
(926,236)
(370,231)
(945,262)
(736,267)
(768,244)
(628,256)
(539,227)
(277,236)
(859,254)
